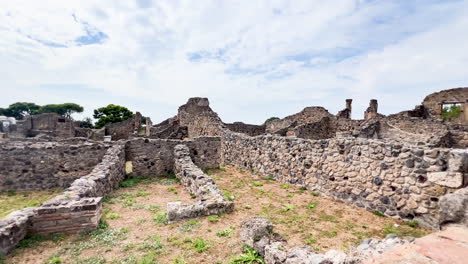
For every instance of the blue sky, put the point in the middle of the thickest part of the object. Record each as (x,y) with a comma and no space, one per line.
(252,59)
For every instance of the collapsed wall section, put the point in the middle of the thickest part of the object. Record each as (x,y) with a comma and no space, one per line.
(397,180)
(46,165)
(199,184)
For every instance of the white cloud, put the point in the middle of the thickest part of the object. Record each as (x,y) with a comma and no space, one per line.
(257,59)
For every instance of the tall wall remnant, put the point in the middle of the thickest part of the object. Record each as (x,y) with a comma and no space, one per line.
(124,129)
(372,110)
(346,113)
(50,124)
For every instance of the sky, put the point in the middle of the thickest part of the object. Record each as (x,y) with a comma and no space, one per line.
(253,59)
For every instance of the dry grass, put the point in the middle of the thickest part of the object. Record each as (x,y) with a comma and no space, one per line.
(16,200)
(138,234)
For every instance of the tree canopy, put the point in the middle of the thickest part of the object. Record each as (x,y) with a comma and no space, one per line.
(86,123)
(66,109)
(111,114)
(21,109)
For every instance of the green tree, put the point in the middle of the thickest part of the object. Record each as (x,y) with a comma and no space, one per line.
(2,111)
(111,114)
(66,109)
(21,109)
(87,123)
(453,111)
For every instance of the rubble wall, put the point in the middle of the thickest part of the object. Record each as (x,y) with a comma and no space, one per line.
(251,130)
(46,165)
(155,157)
(123,130)
(397,180)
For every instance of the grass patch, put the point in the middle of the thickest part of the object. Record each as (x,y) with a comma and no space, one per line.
(200,245)
(213,218)
(113,216)
(31,241)
(285,186)
(329,234)
(189,225)
(413,224)
(224,233)
(257,184)
(15,200)
(228,195)
(377,213)
(212,171)
(172,189)
(403,231)
(132,181)
(161,218)
(311,205)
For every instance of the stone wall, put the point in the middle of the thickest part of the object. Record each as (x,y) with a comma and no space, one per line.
(251,130)
(307,115)
(397,180)
(123,130)
(210,200)
(155,157)
(51,124)
(77,209)
(46,165)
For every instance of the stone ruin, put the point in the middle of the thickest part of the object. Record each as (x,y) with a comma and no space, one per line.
(410,165)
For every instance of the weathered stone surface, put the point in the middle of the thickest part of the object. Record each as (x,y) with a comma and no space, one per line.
(155,157)
(454,207)
(46,165)
(254,229)
(202,186)
(445,178)
(334,166)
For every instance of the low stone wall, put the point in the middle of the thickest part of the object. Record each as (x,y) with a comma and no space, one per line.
(211,201)
(155,157)
(396,180)
(77,209)
(46,165)
(14,228)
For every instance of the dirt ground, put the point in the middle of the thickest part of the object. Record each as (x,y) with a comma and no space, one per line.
(137,231)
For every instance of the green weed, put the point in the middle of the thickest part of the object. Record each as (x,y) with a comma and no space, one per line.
(161,218)
(200,245)
(250,256)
